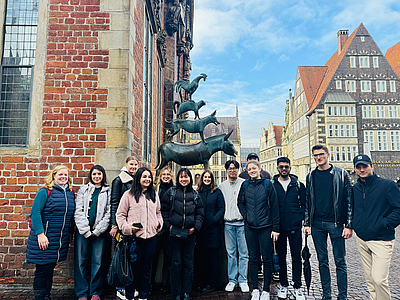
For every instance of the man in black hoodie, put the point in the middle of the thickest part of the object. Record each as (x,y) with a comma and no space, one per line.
(292,200)
(376,215)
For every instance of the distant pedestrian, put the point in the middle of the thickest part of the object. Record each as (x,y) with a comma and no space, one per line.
(51,214)
(235,241)
(329,212)
(376,215)
(292,199)
(259,207)
(92,218)
(245,174)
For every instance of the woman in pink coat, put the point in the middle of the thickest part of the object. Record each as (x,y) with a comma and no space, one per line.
(139,215)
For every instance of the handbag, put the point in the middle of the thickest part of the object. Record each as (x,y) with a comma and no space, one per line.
(179,232)
(120,272)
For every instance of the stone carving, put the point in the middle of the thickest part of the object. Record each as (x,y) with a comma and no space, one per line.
(173,17)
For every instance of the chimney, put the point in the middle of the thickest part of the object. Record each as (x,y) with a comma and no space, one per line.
(342,36)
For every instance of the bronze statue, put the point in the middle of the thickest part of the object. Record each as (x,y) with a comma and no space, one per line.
(193,126)
(188,106)
(190,88)
(189,155)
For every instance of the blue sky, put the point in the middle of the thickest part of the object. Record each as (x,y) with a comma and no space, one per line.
(250,50)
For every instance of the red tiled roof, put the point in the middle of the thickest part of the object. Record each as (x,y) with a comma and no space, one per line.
(278,135)
(393,57)
(332,65)
(311,78)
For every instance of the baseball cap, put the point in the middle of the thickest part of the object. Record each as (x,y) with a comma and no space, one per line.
(252,155)
(362,159)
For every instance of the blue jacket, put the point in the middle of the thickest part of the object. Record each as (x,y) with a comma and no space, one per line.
(56,218)
(376,208)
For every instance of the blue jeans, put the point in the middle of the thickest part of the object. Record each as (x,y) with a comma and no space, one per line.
(259,241)
(235,242)
(91,249)
(320,231)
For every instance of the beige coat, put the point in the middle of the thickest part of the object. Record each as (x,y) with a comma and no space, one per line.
(145,212)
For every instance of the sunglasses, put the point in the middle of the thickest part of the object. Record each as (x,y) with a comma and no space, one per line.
(284,167)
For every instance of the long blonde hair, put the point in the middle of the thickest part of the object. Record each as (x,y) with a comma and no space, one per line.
(49,180)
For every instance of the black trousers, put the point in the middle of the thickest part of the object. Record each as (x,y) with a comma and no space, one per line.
(207,267)
(182,258)
(44,277)
(294,238)
(162,244)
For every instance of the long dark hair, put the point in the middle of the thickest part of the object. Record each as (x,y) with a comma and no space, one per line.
(136,189)
(101,169)
(200,183)
(187,171)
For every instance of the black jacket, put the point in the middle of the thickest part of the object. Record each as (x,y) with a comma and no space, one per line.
(210,234)
(182,212)
(291,203)
(376,208)
(341,197)
(121,184)
(258,209)
(163,188)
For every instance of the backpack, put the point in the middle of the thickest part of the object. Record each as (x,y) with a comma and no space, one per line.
(173,194)
(266,186)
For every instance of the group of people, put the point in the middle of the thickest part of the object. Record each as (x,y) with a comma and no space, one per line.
(252,213)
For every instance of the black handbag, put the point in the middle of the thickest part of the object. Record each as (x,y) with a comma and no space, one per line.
(120,272)
(179,232)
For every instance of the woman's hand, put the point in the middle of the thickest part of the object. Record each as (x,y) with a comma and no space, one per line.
(113,232)
(191,231)
(135,229)
(274,236)
(43,241)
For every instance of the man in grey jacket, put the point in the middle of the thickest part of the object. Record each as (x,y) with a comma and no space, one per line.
(235,241)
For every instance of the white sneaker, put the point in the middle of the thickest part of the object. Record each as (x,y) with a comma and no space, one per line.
(298,294)
(136,294)
(121,294)
(264,296)
(282,291)
(255,294)
(230,287)
(244,287)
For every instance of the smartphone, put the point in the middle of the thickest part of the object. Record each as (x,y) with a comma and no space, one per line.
(137,225)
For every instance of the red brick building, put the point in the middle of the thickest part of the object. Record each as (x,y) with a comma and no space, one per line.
(84,82)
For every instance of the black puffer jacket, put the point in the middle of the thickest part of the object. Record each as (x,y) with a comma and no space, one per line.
(342,197)
(210,235)
(121,184)
(258,209)
(182,212)
(376,208)
(291,203)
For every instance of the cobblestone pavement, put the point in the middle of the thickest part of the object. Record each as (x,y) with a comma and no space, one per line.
(356,284)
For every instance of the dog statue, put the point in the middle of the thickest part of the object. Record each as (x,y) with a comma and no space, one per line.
(193,126)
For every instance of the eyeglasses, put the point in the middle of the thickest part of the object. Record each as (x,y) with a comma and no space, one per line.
(319,154)
(284,167)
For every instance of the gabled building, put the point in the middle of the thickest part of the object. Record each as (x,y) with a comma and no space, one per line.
(270,147)
(350,105)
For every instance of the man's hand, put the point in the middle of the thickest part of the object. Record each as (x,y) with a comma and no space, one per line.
(191,231)
(307,230)
(274,236)
(347,233)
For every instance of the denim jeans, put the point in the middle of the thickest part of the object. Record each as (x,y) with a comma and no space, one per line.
(259,241)
(320,231)
(142,268)
(91,249)
(235,243)
(294,238)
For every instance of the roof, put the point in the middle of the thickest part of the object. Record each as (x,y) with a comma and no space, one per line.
(311,78)
(393,57)
(339,98)
(278,135)
(332,64)
(226,124)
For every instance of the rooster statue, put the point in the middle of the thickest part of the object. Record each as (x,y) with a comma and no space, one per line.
(190,88)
